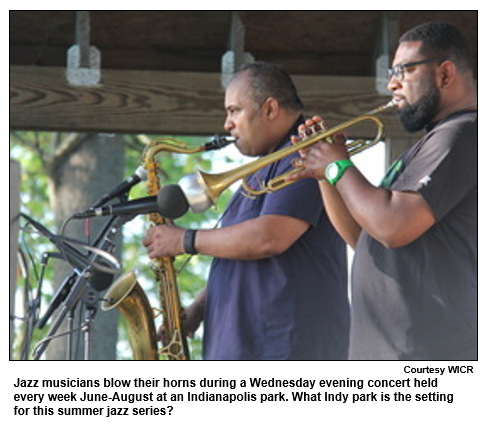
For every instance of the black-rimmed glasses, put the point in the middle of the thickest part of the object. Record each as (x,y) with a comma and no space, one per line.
(397,71)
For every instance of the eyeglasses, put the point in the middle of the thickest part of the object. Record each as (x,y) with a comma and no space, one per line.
(397,71)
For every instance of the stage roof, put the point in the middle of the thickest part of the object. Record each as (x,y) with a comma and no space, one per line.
(339,43)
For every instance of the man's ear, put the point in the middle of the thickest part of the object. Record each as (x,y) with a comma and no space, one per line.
(447,73)
(271,108)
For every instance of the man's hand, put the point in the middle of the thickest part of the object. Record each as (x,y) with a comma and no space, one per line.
(315,158)
(192,319)
(164,241)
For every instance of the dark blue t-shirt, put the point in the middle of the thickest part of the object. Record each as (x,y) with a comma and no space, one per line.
(290,306)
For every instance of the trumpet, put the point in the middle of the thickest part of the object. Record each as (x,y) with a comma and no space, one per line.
(203,189)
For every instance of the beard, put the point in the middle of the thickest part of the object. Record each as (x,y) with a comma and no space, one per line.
(417,116)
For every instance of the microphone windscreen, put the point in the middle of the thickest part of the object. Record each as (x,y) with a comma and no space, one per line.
(172,202)
(101,280)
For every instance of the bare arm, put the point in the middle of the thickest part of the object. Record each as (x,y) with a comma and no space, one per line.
(194,314)
(339,215)
(335,207)
(257,238)
(394,218)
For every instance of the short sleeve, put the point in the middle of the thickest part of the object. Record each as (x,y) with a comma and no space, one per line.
(301,200)
(443,165)
(455,175)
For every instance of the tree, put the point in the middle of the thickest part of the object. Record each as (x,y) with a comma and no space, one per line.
(78,169)
(75,164)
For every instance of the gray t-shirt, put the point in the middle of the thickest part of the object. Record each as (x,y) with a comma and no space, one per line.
(419,301)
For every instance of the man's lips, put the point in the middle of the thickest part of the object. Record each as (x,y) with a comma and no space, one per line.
(398,100)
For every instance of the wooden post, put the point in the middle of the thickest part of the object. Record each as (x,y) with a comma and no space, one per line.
(14,208)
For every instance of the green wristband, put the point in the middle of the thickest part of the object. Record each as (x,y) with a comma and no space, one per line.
(334,171)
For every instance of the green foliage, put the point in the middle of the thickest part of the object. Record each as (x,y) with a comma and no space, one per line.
(35,151)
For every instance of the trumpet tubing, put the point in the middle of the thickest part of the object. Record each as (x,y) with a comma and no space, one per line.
(207,187)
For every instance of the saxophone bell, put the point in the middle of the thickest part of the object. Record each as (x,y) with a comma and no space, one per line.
(127,295)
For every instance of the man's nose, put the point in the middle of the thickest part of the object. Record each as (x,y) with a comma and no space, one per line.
(393,84)
(228,125)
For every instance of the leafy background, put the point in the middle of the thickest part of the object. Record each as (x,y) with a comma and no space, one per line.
(35,150)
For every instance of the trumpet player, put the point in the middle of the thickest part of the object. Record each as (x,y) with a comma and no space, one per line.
(277,287)
(414,276)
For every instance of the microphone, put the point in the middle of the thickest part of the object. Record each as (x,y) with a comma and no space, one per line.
(170,202)
(134,207)
(101,280)
(139,176)
(219,142)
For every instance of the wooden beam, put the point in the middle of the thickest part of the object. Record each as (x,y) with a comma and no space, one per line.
(162,102)
(124,102)
(338,99)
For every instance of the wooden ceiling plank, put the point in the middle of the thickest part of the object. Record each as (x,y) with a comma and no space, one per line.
(161,102)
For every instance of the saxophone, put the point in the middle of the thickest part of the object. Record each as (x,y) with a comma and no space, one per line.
(128,296)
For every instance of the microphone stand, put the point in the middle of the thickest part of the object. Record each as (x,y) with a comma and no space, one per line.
(69,304)
(80,289)
(34,305)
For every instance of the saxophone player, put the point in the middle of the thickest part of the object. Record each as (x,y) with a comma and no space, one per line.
(277,287)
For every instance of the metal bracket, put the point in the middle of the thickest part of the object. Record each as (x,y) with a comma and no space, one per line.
(388,34)
(84,61)
(235,57)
